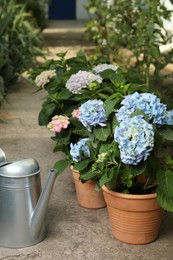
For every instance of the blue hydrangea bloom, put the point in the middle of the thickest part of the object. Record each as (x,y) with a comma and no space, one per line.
(168,118)
(135,139)
(79,150)
(146,102)
(92,113)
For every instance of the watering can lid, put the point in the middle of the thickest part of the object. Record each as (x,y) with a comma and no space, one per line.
(19,169)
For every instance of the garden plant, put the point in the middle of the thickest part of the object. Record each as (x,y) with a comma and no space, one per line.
(20,42)
(117,27)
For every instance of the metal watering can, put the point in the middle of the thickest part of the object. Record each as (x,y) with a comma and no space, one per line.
(22,204)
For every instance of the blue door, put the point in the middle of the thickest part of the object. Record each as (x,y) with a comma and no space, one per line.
(62,9)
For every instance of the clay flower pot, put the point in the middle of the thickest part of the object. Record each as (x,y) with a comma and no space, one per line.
(87,196)
(135,219)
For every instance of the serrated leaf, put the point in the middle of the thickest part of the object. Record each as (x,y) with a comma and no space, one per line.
(105,147)
(64,94)
(110,105)
(164,201)
(107,177)
(43,119)
(80,132)
(102,133)
(60,166)
(49,108)
(61,54)
(87,176)
(63,140)
(166,133)
(165,189)
(81,165)
(155,53)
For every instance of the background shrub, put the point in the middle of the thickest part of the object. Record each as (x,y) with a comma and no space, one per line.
(20,41)
(137,26)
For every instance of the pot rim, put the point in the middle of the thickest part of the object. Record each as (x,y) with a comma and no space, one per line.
(129,196)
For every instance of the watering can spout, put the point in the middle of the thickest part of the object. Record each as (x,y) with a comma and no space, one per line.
(39,213)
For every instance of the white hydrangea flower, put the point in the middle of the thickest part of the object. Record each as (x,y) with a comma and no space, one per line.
(104,42)
(110,3)
(44,77)
(81,80)
(101,67)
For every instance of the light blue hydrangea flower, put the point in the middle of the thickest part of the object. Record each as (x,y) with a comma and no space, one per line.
(168,118)
(135,139)
(146,102)
(79,150)
(81,80)
(92,113)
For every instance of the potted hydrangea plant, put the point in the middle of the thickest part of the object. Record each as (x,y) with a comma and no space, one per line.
(113,135)
(69,83)
(133,164)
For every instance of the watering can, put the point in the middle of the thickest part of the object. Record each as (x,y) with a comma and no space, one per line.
(23,204)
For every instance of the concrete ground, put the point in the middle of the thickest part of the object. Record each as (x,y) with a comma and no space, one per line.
(74,233)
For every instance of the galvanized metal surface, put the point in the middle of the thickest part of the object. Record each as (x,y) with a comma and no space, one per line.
(22,205)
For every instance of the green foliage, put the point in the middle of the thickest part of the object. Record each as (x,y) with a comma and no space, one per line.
(20,41)
(38,10)
(165,186)
(132,25)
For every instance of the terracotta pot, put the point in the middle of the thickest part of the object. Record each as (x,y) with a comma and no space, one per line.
(87,196)
(135,219)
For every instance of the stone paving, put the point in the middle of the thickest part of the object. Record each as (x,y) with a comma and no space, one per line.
(73,232)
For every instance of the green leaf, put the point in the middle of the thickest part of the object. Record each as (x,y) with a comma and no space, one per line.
(155,52)
(87,176)
(164,201)
(102,133)
(137,169)
(61,54)
(60,166)
(81,132)
(107,177)
(105,147)
(111,184)
(139,112)
(165,189)
(166,133)
(63,140)
(49,108)
(114,123)
(81,165)
(64,94)
(110,105)
(43,119)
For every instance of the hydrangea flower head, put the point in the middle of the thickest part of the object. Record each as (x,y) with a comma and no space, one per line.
(79,150)
(101,67)
(146,102)
(110,3)
(168,118)
(135,139)
(44,77)
(58,123)
(81,80)
(92,113)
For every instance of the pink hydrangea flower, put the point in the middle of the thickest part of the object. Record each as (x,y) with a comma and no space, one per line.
(76,112)
(58,123)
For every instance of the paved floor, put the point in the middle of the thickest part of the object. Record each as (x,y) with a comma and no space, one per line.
(74,233)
